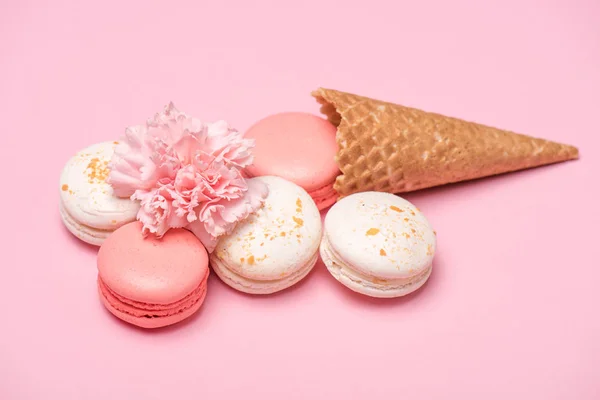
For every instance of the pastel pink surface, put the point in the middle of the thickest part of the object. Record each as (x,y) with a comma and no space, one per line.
(299,147)
(510,311)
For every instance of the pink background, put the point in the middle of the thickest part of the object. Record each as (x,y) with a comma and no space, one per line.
(511,310)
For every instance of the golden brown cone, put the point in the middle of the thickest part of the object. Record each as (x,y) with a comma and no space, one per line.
(391,148)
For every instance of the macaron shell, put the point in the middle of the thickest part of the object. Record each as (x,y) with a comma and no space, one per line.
(153,322)
(148,309)
(253,286)
(87,197)
(152,270)
(276,241)
(324,197)
(85,233)
(386,237)
(298,147)
(369,285)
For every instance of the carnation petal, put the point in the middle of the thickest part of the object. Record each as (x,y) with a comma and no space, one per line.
(186,173)
(221,216)
(198,229)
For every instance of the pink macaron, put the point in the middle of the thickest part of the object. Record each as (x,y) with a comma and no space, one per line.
(151,282)
(300,148)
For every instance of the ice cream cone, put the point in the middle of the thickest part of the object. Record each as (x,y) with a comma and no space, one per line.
(391,148)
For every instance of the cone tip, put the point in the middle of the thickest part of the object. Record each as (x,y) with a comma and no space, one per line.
(569,152)
(574,153)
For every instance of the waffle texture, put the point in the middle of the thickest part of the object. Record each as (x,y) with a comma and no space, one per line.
(391,148)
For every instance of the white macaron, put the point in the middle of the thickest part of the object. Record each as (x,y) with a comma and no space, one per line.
(378,244)
(88,207)
(275,247)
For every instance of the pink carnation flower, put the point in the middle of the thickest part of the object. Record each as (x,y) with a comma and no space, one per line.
(186,173)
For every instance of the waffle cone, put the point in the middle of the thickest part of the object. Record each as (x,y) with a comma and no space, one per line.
(391,148)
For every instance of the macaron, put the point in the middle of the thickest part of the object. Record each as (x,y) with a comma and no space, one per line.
(151,282)
(378,244)
(275,247)
(299,147)
(88,207)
